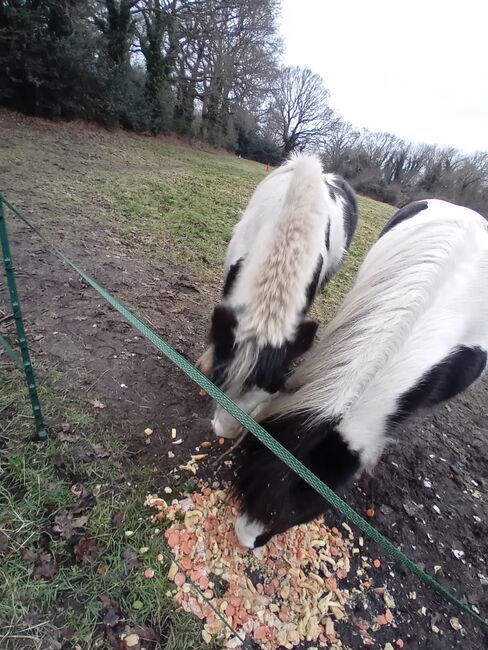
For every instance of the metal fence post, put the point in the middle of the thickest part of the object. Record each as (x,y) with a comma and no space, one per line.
(19,326)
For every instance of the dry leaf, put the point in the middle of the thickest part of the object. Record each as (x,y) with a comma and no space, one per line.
(29,555)
(99,451)
(96,403)
(118,518)
(67,437)
(103,569)
(46,567)
(87,549)
(131,560)
(65,524)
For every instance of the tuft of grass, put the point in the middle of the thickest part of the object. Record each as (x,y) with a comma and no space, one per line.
(34,488)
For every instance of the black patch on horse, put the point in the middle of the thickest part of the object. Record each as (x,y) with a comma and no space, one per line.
(333,193)
(273,363)
(271,493)
(345,191)
(313,285)
(451,376)
(231,277)
(222,335)
(327,237)
(407,212)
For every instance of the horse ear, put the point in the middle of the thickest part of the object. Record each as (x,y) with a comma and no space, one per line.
(222,332)
(304,338)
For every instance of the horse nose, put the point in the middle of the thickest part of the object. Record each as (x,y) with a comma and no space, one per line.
(247,530)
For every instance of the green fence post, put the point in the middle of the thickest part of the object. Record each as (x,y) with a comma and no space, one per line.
(19,325)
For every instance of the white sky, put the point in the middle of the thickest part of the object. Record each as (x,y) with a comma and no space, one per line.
(418,68)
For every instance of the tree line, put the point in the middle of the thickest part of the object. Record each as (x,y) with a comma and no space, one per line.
(208,69)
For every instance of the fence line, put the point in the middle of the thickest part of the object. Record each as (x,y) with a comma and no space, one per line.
(257,430)
(19,326)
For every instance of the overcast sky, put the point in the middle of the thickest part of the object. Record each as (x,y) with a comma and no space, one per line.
(417,68)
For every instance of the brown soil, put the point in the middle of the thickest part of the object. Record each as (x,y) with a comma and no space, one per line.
(440,458)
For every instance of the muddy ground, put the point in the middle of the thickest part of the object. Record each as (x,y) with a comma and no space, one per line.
(430,490)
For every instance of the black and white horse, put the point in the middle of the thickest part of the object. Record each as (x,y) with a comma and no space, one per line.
(411,333)
(291,239)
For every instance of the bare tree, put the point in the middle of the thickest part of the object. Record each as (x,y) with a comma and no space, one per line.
(299,114)
(227,56)
(338,146)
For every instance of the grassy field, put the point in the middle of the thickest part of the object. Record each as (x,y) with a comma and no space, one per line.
(160,201)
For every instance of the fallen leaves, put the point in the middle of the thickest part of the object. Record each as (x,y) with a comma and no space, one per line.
(45,566)
(99,451)
(66,524)
(64,435)
(131,559)
(111,613)
(103,570)
(87,550)
(118,518)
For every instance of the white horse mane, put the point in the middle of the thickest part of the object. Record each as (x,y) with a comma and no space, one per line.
(398,282)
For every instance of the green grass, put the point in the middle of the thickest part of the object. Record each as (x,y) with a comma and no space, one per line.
(34,488)
(192,202)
